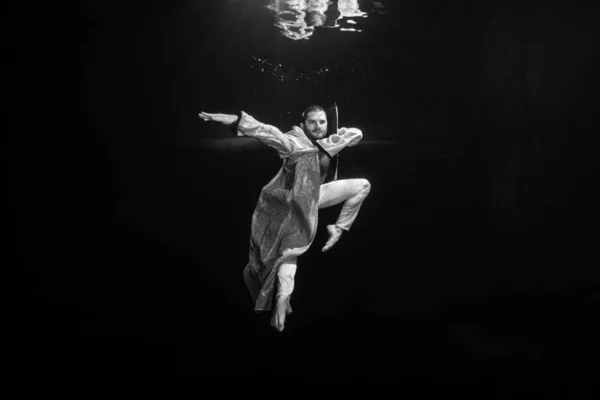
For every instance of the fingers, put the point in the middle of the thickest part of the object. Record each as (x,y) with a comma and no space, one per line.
(206,116)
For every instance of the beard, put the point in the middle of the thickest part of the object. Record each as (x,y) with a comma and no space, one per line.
(314,134)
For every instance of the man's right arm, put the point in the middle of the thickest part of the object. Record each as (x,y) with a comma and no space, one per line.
(246,125)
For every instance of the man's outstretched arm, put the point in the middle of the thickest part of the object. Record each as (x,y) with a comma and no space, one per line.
(246,125)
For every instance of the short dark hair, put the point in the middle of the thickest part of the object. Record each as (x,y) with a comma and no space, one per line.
(311,109)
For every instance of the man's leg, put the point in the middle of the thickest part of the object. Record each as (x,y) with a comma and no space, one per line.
(350,191)
(285,287)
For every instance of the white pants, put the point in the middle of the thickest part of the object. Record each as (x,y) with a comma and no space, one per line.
(350,191)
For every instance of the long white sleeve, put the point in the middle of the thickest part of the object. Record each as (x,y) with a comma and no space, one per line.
(268,134)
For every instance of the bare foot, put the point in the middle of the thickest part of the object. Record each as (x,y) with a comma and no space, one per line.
(334,235)
(282,309)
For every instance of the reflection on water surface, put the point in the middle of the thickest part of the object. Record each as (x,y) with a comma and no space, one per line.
(298,19)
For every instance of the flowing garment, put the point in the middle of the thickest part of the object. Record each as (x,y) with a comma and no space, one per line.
(284,223)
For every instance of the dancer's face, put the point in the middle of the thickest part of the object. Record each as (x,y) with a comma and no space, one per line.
(315,125)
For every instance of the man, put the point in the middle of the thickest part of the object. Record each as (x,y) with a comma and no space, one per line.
(284,222)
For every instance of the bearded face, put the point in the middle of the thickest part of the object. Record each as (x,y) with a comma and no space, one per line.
(315,125)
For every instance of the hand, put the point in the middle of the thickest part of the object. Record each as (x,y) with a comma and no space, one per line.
(222,118)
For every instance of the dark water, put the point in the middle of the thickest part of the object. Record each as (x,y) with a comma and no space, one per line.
(471,260)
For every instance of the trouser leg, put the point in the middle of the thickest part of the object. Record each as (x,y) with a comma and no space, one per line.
(285,278)
(350,191)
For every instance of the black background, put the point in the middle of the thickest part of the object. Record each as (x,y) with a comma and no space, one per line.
(473,258)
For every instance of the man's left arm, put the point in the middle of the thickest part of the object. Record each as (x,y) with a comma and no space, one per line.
(345,137)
